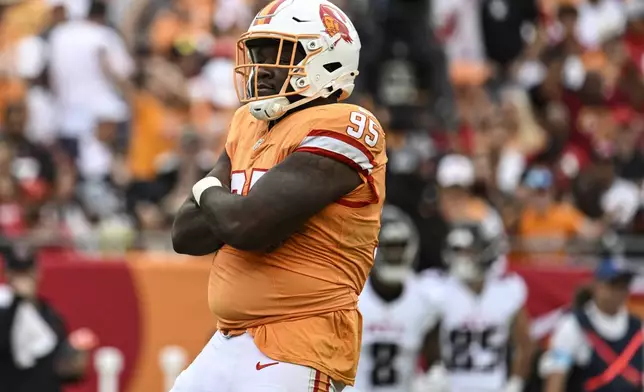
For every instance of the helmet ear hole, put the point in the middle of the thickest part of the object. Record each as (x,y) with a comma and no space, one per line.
(331,67)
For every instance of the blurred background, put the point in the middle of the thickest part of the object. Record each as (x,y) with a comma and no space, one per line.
(111,111)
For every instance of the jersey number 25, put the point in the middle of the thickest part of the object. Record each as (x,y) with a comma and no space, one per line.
(463,356)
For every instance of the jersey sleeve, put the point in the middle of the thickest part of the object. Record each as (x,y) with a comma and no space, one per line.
(353,136)
(429,289)
(349,134)
(431,318)
(431,286)
(332,144)
(563,351)
(519,291)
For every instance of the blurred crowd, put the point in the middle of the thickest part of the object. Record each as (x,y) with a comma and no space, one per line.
(110,112)
(530,110)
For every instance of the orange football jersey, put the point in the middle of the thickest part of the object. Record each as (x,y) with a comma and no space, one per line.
(300,301)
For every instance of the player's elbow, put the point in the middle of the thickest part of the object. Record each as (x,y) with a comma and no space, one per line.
(182,244)
(186,243)
(181,247)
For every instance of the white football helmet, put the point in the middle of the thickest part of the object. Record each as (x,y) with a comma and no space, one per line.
(332,48)
(470,251)
(398,246)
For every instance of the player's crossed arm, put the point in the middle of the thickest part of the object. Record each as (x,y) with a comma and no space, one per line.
(191,234)
(328,164)
(280,203)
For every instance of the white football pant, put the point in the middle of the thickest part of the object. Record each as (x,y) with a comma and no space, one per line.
(235,364)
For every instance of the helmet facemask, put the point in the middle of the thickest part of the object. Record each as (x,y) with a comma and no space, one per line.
(329,52)
(287,65)
(466,265)
(398,247)
(392,264)
(468,255)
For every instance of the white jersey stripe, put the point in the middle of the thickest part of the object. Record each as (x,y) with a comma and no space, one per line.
(337,146)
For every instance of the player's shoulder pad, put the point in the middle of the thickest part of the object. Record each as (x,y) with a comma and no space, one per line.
(337,111)
(432,273)
(515,287)
(431,284)
(241,115)
(237,120)
(238,123)
(347,133)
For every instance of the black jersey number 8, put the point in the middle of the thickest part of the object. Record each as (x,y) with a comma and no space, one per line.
(461,341)
(384,372)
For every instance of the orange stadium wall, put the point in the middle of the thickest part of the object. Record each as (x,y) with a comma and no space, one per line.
(141,304)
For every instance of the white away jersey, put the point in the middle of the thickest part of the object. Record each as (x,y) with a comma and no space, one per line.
(475,329)
(392,338)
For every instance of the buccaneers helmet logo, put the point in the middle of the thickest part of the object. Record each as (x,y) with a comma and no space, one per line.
(334,23)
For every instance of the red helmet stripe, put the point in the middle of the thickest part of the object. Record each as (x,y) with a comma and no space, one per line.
(266,15)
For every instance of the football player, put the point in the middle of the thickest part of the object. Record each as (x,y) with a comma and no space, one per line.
(482,315)
(293,209)
(395,314)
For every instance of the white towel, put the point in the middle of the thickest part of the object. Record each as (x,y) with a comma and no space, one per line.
(31,337)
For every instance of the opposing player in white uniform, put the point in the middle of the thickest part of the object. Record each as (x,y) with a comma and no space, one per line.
(395,314)
(482,317)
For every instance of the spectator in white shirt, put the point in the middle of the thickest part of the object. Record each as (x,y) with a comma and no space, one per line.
(599,19)
(458,25)
(88,61)
(588,342)
(41,105)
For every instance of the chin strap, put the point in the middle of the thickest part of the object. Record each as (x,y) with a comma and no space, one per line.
(268,109)
(273,108)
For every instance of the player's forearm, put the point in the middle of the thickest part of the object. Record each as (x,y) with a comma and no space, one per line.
(555,382)
(524,346)
(523,357)
(239,221)
(279,204)
(431,348)
(191,234)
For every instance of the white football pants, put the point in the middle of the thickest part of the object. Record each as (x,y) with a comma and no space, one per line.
(236,365)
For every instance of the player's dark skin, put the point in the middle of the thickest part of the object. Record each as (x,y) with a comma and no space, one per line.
(387,291)
(280,202)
